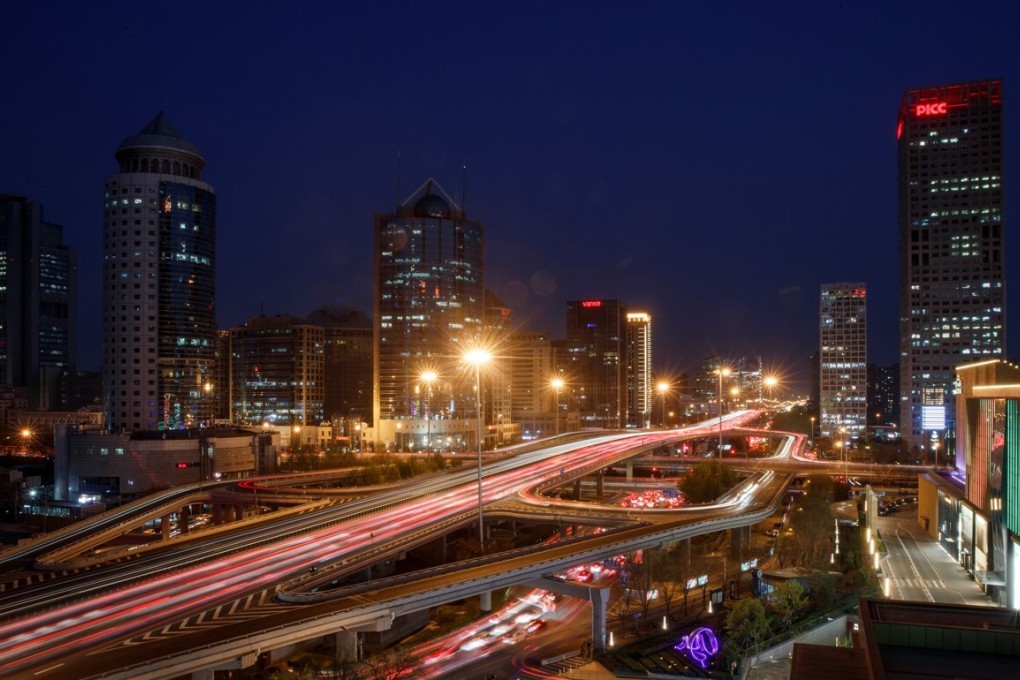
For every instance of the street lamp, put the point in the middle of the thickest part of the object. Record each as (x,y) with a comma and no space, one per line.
(428,377)
(478,358)
(557,385)
(722,373)
(663,388)
(812,427)
(769,382)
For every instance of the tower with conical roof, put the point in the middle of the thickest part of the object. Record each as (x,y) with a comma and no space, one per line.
(159,275)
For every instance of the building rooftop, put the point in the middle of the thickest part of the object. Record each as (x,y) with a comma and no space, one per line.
(159,132)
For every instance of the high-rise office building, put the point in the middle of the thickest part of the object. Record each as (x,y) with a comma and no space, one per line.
(348,388)
(159,284)
(639,369)
(37,299)
(428,311)
(277,371)
(952,259)
(883,394)
(597,347)
(843,360)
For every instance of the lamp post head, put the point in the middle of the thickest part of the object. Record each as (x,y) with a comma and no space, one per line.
(477,357)
(556,383)
(428,377)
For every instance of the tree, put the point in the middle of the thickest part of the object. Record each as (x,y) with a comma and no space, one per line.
(747,626)
(786,600)
(669,567)
(707,481)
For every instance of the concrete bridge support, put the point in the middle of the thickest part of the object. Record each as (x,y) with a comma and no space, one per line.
(485,601)
(600,483)
(740,539)
(204,674)
(164,526)
(577,489)
(348,645)
(599,598)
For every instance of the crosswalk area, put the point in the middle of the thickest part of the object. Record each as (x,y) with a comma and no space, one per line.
(918,583)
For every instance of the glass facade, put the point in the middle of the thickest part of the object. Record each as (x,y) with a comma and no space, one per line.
(952,277)
(187,311)
(843,357)
(277,372)
(37,288)
(429,306)
(597,351)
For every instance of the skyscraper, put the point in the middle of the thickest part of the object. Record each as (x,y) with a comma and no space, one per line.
(159,284)
(952,276)
(597,347)
(37,295)
(843,360)
(428,310)
(639,369)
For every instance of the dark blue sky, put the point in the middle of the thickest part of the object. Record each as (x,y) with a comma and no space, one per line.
(712,166)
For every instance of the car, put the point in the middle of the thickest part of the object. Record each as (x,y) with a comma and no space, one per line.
(535,626)
(774,533)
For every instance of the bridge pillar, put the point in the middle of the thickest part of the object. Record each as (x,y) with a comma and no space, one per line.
(348,645)
(599,599)
(739,540)
(217,514)
(164,526)
(184,519)
(630,470)
(485,601)
(685,550)
(577,489)
(204,674)
(600,479)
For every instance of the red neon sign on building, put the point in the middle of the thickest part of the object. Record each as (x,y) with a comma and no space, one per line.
(932,109)
(587,304)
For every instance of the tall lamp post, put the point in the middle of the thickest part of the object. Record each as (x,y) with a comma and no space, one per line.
(722,373)
(478,358)
(663,388)
(428,377)
(557,385)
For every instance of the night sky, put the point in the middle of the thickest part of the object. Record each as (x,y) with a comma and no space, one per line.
(712,166)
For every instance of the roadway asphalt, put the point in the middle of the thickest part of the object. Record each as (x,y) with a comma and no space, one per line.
(919,568)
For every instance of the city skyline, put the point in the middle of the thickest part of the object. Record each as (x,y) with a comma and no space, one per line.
(666,159)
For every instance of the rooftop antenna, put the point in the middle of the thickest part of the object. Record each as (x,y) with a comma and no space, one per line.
(398,179)
(463,188)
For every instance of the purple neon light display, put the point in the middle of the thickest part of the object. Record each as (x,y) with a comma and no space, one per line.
(699,645)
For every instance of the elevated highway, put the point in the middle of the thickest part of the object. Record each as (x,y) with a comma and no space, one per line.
(75,639)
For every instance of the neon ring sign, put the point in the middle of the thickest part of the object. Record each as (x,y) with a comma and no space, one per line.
(700,645)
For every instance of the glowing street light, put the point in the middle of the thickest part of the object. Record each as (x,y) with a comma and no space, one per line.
(428,377)
(663,388)
(478,358)
(723,372)
(557,385)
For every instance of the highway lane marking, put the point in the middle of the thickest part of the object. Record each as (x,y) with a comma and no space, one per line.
(47,670)
(913,567)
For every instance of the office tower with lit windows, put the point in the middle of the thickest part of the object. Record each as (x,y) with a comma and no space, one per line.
(952,251)
(639,369)
(843,360)
(597,354)
(277,371)
(428,311)
(159,284)
(37,302)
